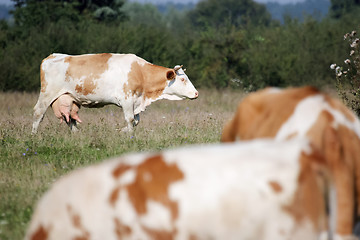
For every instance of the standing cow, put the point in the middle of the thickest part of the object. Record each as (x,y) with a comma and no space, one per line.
(259,190)
(95,80)
(305,112)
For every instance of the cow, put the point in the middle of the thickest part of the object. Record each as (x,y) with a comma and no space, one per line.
(96,80)
(261,189)
(305,112)
(66,109)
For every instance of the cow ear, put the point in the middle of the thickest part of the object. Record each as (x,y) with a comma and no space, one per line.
(170,74)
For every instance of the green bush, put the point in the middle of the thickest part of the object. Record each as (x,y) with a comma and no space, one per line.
(226,55)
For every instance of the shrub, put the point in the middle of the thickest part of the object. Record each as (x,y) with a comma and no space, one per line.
(348,74)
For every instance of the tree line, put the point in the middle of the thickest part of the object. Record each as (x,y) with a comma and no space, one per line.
(223,44)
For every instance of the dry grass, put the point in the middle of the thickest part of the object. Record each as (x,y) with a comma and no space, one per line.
(29,164)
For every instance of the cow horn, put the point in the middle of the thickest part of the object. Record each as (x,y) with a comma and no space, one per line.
(178,67)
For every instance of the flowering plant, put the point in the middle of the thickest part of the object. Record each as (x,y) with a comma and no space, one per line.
(348,77)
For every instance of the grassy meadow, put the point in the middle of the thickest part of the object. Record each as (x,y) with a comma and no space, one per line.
(30,164)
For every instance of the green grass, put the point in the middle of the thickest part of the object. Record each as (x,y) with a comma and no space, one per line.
(30,164)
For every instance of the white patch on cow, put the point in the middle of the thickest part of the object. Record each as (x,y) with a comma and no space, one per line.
(125,207)
(305,115)
(157,217)
(307,112)
(128,177)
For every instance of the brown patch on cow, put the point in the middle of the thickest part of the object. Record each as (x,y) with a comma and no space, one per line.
(120,169)
(308,200)
(153,179)
(148,80)
(114,196)
(121,229)
(76,221)
(160,235)
(261,114)
(43,81)
(88,68)
(40,234)
(276,187)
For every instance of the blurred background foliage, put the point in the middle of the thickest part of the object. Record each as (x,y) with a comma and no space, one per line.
(223,44)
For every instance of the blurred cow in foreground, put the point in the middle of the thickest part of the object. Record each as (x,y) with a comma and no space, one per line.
(95,80)
(332,129)
(262,189)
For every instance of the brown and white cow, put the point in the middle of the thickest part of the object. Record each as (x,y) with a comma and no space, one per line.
(307,113)
(262,189)
(95,80)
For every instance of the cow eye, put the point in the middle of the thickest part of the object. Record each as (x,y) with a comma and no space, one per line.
(182,79)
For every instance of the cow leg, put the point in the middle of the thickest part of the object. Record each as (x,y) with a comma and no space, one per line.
(136,119)
(129,118)
(39,112)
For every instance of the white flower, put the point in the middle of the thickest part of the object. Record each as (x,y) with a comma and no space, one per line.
(352,52)
(354,43)
(347,61)
(353,33)
(333,66)
(338,71)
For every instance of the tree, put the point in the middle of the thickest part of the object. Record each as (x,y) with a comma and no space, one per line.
(143,14)
(29,13)
(234,12)
(340,7)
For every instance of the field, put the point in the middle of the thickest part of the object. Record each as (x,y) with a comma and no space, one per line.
(30,164)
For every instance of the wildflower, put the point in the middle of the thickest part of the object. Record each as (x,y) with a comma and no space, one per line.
(346,36)
(353,33)
(354,43)
(35,153)
(27,149)
(131,137)
(347,61)
(338,71)
(352,52)
(333,66)
(24,154)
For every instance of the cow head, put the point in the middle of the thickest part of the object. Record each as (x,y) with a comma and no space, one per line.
(179,86)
